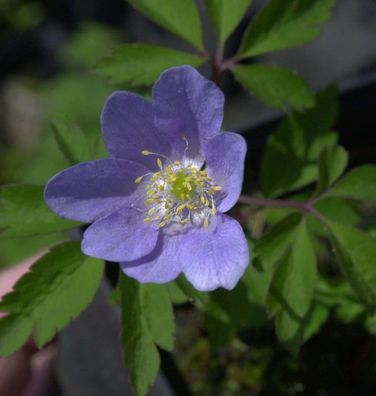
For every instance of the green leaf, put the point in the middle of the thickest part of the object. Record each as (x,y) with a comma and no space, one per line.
(71,142)
(296,144)
(356,252)
(15,330)
(274,244)
(293,287)
(147,319)
(285,24)
(226,15)
(181,19)
(360,183)
(177,295)
(275,86)
(332,163)
(23,213)
(335,209)
(141,64)
(60,285)
(157,309)
(222,321)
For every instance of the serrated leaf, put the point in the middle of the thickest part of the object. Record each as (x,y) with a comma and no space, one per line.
(59,286)
(141,64)
(23,213)
(277,87)
(274,244)
(147,319)
(285,24)
(226,15)
(180,18)
(14,332)
(293,287)
(356,252)
(71,142)
(360,184)
(296,144)
(332,163)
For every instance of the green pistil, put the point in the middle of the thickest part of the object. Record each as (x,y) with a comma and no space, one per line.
(182,187)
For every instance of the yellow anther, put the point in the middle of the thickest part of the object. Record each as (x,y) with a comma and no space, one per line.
(147,220)
(151,211)
(149,201)
(138,179)
(214,211)
(180,208)
(203,199)
(217,188)
(206,222)
(161,224)
(146,152)
(159,163)
(177,163)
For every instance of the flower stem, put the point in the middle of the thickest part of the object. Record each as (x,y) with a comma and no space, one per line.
(306,207)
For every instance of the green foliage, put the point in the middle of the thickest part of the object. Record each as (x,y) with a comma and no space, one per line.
(23,212)
(338,210)
(89,43)
(356,252)
(285,24)
(222,321)
(275,86)
(147,320)
(296,144)
(72,142)
(332,163)
(293,289)
(273,245)
(141,64)
(60,285)
(181,19)
(360,184)
(226,15)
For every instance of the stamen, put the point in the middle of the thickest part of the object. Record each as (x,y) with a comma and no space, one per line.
(178,193)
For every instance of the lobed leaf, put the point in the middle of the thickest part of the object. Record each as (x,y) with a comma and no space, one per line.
(23,213)
(274,244)
(147,320)
(285,24)
(356,252)
(59,286)
(296,144)
(180,18)
(332,163)
(277,87)
(360,183)
(141,64)
(293,288)
(226,15)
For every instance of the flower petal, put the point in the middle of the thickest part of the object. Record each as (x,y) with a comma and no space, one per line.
(213,259)
(160,266)
(186,103)
(93,189)
(128,128)
(224,155)
(122,235)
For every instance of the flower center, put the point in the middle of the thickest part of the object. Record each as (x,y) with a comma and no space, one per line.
(180,194)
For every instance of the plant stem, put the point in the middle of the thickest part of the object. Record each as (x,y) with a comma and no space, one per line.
(306,207)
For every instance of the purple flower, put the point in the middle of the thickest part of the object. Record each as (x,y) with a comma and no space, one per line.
(156,205)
